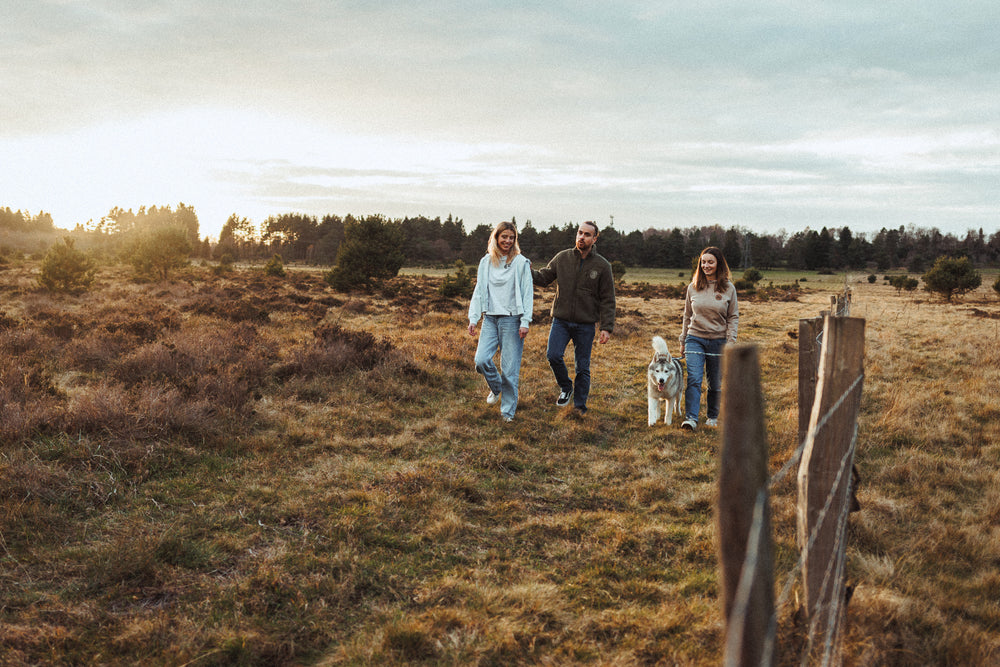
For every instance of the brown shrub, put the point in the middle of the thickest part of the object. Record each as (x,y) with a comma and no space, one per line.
(98,349)
(218,364)
(61,325)
(8,322)
(144,412)
(240,310)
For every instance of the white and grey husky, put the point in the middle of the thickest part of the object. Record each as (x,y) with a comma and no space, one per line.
(665,382)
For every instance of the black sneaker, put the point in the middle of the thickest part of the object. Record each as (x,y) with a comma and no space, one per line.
(564,398)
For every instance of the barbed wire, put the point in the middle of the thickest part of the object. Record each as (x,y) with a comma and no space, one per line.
(748,572)
(797,454)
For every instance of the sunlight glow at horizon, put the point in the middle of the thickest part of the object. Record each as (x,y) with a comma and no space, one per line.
(211,159)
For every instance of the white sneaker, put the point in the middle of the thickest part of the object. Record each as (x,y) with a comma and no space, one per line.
(712,421)
(564,398)
(508,420)
(492,398)
(689,424)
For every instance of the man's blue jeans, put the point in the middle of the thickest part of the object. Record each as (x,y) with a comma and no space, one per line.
(701,355)
(500,333)
(560,334)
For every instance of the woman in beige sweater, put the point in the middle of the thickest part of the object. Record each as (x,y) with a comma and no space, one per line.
(711,317)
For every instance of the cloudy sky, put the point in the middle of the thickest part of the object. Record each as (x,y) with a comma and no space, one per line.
(651,113)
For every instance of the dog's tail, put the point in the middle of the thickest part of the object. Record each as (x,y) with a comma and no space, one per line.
(660,346)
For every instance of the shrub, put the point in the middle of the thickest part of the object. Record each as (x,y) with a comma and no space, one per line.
(156,254)
(902,282)
(996,286)
(951,276)
(372,251)
(274,267)
(225,265)
(458,285)
(872,278)
(334,351)
(618,270)
(66,269)
(752,276)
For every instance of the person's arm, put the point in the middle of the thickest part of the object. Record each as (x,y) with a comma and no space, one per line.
(476,303)
(732,318)
(608,304)
(545,275)
(686,321)
(527,287)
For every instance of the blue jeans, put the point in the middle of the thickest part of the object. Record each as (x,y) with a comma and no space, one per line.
(703,354)
(560,334)
(500,334)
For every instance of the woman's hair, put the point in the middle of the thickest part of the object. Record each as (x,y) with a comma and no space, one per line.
(494,249)
(721,272)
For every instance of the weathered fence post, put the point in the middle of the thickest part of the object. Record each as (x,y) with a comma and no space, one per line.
(825,473)
(747,594)
(810,331)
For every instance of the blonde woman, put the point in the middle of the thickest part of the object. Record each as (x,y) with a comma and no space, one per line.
(503,298)
(711,317)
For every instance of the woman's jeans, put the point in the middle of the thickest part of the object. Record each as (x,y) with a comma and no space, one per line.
(560,334)
(702,354)
(500,333)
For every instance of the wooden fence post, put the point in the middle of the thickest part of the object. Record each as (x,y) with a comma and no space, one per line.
(825,473)
(809,349)
(743,480)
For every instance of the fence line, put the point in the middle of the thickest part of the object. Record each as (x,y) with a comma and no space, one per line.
(825,492)
(757,535)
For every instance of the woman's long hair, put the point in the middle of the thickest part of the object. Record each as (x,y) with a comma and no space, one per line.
(721,271)
(494,249)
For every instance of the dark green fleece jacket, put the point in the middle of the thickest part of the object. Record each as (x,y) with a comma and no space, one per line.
(585,288)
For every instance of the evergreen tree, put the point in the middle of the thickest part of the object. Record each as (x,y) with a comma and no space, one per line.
(952,276)
(372,251)
(66,269)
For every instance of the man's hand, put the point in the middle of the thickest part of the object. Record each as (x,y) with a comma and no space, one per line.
(604,337)
(522,332)
(472,329)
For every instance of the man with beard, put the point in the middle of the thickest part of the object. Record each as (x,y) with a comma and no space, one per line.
(585,296)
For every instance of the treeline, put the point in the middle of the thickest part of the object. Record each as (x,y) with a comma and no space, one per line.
(432,241)
(18,221)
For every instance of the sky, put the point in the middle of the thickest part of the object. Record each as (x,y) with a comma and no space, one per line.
(768,116)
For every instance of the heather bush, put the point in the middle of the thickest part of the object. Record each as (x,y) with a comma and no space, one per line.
(219,364)
(29,400)
(97,349)
(237,310)
(147,411)
(335,350)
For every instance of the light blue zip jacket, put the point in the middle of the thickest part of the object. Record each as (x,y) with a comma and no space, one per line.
(524,290)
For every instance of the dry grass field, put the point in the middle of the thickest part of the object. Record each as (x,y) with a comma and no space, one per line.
(240,469)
